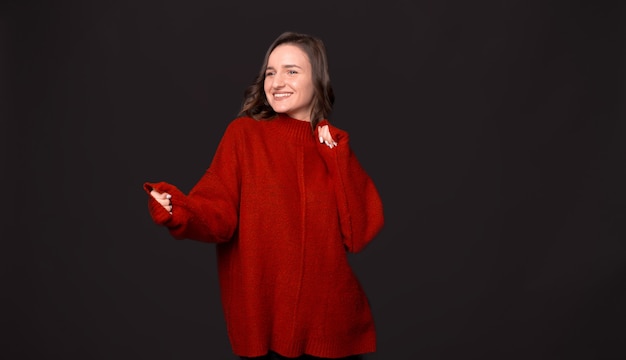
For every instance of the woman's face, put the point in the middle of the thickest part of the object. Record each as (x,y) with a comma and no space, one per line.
(289,82)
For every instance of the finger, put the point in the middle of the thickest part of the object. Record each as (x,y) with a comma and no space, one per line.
(323,133)
(163,202)
(159,195)
(328,136)
(325,137)
(163,199)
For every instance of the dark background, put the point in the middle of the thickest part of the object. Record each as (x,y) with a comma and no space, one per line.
(495,131)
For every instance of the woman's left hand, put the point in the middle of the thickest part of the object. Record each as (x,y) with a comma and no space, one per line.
(325,137)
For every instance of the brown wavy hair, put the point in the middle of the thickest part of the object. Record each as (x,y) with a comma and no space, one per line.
(255,103)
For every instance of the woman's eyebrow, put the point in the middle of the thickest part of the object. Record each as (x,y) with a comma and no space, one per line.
(288,66)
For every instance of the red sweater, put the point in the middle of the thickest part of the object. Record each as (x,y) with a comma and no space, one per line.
(283,209)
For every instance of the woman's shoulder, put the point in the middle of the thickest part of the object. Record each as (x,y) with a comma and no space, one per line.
(248,123)
(242,126)
(241,123)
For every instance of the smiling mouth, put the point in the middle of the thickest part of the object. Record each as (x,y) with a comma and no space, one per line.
(280,96)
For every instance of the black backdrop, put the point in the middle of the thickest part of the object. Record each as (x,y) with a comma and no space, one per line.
(494,130)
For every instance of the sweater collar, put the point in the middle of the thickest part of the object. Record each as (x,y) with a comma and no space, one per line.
(290,128)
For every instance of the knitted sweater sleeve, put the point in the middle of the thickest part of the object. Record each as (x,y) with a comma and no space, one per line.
(359,204)
(209,212)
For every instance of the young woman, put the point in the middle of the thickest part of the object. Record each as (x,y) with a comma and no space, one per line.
(284,199)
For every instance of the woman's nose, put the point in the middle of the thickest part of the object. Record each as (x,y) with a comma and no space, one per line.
(278,81)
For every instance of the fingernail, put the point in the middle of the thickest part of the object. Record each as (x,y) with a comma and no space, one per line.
(321,139)
(168,196)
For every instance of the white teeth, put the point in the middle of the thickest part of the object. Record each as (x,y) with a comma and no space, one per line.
(281,95)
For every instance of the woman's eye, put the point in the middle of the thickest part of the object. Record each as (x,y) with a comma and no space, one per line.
(269,73)
(292,72)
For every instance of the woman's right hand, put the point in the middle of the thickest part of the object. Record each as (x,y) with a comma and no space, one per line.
(164,199)
(325,137)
